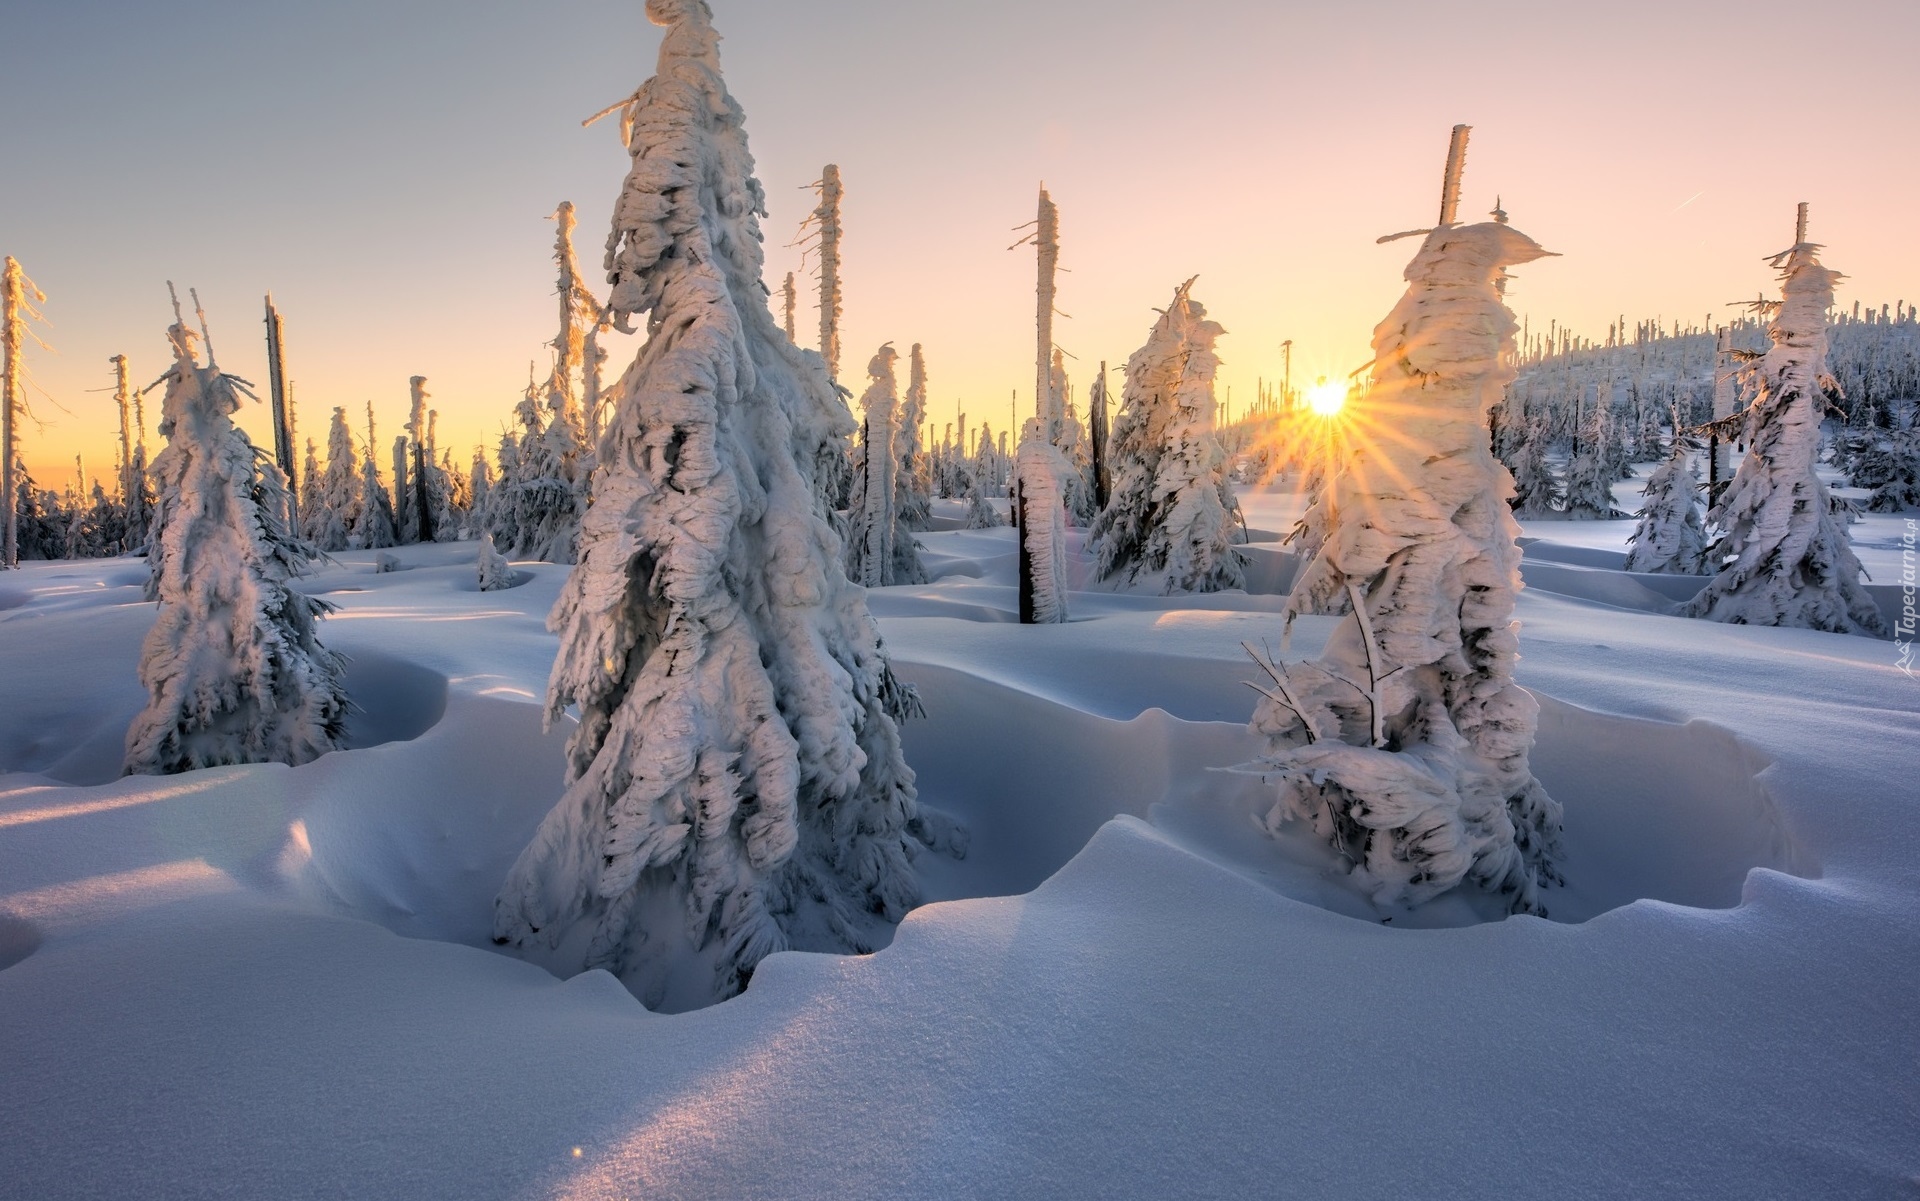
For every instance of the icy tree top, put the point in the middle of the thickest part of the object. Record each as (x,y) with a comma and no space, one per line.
(1799,329)
(674,149)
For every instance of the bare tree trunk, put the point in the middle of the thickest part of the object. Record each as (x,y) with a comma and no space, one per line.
(1046,240)
(1097,421)
(827,216)
(282,407)
(122,397)
(1024,558)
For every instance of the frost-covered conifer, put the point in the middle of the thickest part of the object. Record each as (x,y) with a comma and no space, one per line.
(314,518)
(1071,440)
(881,550)
(495,572)
(425,485)
(1172,507)
(1534,488)
(913,486)
(232,669)
(1041,513)
(981,515)
(1670,537)
(1590,476)
(479,494)
(736,785)
(377,527)
(336,521)
(1898,489)
(1784,560)
(1406,743)
(546,489)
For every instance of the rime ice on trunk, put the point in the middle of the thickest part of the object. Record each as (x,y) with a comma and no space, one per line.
(1784,560)
(232,669)
(736,785)
(18,296)
(1406,744)
(1041,516)
(1171,508)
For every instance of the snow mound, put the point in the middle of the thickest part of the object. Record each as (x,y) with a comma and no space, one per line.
(1654,810)
(19,938)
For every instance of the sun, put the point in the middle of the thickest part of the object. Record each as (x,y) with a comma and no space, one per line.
(1326,399)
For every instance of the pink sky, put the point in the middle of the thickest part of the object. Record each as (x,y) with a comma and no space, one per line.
(384,170)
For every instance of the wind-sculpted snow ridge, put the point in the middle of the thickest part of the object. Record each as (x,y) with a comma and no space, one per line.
(233,671)
(1784,560)
(1406,743)
(736,784)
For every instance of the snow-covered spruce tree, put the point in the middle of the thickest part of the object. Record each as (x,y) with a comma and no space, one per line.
(314,518)
(1172,508)
(1671,538)
(494,571)
(335,523)
(1076,487)
(479,495)
(912,481)
(549,487)
(1784,560)
(981,515)
(881,550)
(1041,516)
(426,487)
(1899,487)
(1592,470)
(1534,488)
(1406,743)
(232,669)
(736,785)
(377,528)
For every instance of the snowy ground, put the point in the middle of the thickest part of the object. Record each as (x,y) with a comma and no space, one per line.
(273,982)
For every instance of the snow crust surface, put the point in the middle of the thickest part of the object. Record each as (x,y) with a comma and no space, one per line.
(276,982)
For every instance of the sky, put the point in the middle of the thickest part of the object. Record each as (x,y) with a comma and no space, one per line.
(385,168)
